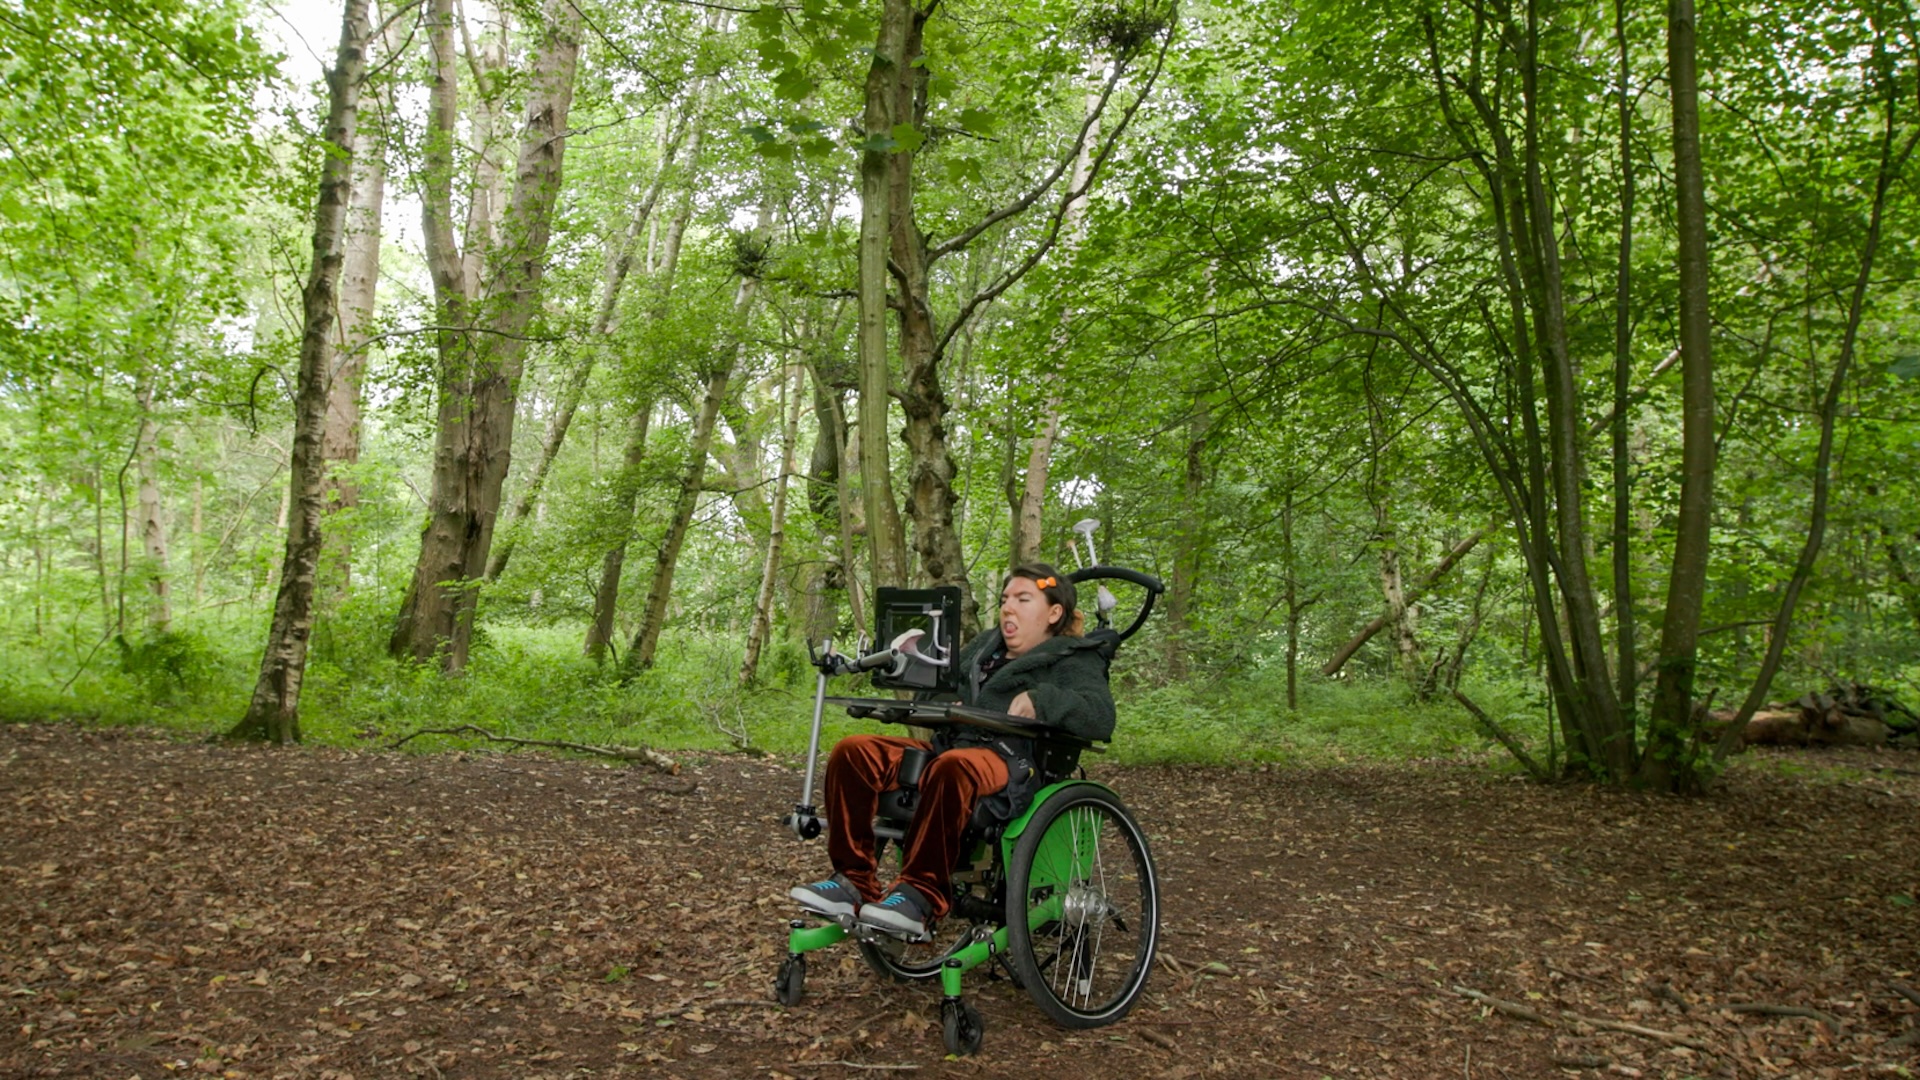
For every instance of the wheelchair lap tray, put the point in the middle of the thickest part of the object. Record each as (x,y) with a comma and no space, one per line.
(955,714)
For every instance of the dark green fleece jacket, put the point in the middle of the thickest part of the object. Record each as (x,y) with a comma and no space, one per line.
(1065,676)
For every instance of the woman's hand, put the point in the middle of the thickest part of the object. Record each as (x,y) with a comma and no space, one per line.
(1022,706)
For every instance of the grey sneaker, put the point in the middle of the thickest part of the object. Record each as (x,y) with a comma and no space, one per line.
(833,897)
(902,911)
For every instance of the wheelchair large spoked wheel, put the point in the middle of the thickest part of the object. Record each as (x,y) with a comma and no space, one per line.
(1083,907)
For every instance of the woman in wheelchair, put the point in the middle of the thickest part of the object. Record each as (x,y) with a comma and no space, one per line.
(1034,664)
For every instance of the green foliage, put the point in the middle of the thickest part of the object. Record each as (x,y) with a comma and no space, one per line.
(1233,402)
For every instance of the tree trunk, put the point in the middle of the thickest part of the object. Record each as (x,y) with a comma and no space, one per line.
(1028,512)
(626,487)
(886,543)
(1567,430)
(836,440)
(761,626)
(1664,765)
(1189,540)
(620,256)
(273,712)
(359,276)
(653,616)
(626,491)
(149,520)
(1400,614)
(1626,652)
(1290,566)
(480,368)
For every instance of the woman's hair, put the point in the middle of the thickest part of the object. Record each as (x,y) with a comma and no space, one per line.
(1058,590)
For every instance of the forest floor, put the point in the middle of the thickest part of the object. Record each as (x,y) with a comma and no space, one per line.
(181,909)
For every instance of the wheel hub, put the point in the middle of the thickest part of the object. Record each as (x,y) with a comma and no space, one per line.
(1084,906)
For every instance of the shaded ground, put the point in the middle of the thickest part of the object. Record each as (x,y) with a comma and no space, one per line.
(183,909)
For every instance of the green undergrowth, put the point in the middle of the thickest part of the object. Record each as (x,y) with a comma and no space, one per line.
(531,682)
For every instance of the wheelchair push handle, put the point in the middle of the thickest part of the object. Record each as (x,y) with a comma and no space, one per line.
(1151,584)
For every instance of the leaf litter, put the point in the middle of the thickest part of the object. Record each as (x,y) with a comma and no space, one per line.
(179,909)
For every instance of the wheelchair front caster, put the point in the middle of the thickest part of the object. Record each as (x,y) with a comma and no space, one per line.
(961,1026)
(791,984)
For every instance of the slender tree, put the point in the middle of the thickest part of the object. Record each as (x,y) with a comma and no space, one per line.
(1672,720)
(274,712)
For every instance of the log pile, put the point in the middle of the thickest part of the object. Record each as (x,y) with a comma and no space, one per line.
(1845,714)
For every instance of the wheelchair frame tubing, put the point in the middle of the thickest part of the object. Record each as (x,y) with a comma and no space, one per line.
(802,938)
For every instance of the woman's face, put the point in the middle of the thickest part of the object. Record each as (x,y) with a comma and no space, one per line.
(1025,615)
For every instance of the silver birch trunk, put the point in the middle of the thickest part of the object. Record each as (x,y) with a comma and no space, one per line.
(1029,514)
(359,277)
(626,488)
(149,519)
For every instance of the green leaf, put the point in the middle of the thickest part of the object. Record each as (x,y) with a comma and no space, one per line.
(1906,367)
(961,169)
(775,151)
(817,149)
(908,138)
(979,121)
(879,144)
(792,85)
(767,19)
(757,133)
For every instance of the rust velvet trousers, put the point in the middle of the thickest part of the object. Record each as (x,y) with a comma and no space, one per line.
(861,767)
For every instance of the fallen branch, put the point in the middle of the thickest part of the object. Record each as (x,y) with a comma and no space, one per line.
(1505,738)
(644,754)
(1420,587)
(1508,1008)
(876,1068)
(1904,990)
(1521,1012)
(1764,1009)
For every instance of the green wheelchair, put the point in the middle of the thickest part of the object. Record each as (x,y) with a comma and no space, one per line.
(1062,899)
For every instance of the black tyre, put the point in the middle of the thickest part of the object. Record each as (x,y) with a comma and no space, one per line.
(1083,907)
(791,984)
(960,1026)
(904,961)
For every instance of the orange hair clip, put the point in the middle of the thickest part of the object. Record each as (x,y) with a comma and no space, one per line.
(1047,582)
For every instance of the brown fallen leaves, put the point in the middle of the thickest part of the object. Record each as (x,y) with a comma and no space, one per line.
(171,909)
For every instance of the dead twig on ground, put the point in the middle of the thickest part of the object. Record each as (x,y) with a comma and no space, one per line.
(1904,990)
(646,755)
(1158,1038)
(1521,1012)
(1764,1009)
